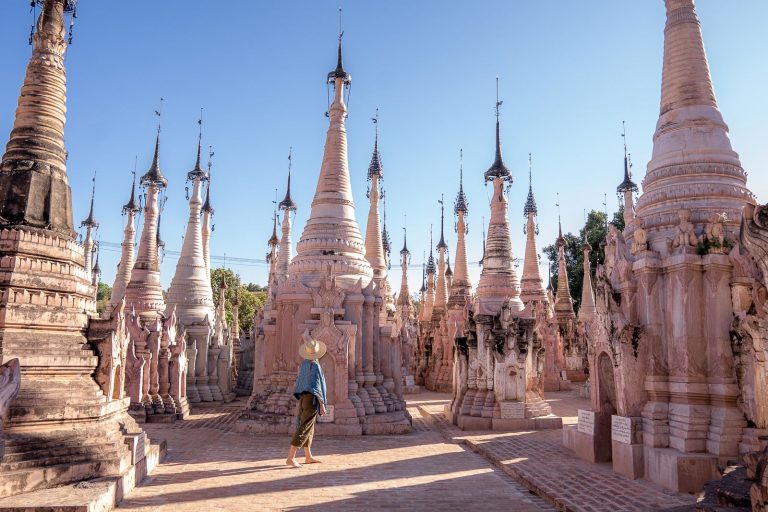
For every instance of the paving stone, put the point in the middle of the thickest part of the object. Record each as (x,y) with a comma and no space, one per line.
(211,468)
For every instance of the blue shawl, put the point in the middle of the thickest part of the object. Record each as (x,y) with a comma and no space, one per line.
(311,380)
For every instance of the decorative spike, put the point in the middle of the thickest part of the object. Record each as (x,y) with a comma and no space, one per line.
(441,244)
(339,72)
(90,221)
(431,268)
(287,203)
(627,185)
(207,208)
(375,168)
(530,202)
(461,204)
(498,169)
(153,175)
(198,173)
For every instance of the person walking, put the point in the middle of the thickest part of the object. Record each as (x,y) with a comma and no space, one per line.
(310,392)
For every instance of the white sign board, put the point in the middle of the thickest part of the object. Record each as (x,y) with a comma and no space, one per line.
(409,380)
(586,422)
(328,416)
(621,429)
(512,410)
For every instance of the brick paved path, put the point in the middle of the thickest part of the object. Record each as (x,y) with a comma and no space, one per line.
(210,468)
(438,468)
(541,462)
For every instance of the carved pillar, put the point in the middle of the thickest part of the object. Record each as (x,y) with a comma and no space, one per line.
(726,420)
(684,322)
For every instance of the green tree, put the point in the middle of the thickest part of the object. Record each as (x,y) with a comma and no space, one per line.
(252,296)
(594,231)
(103,294)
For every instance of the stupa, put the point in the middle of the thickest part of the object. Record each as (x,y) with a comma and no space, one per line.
(500,361)
(674,395)
(48,327)
(328,291)
(191,295)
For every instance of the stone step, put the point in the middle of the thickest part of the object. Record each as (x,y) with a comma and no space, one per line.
(16,458)
(98,495)
(102,457)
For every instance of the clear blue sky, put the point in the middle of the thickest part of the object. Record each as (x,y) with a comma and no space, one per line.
(570,73)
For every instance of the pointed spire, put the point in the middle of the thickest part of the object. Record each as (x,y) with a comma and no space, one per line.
(197,173)
(34,189)
(431,268)
(375,168)
(423,275)
(287,203)
(531,284)
(692,151)
(96,267)
(404,251)
(448,271)
(339,71)
(153,175)
(207,208)
(498,169)
(563,300)
(441,244)
(273,240)
(461,204)
(132,205)
(385,241)
(587,309)
(627,185)
(90,221)
(530,202)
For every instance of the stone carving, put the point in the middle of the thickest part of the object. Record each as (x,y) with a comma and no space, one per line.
(10,381)
(110,338)
(640,242)
(684,235)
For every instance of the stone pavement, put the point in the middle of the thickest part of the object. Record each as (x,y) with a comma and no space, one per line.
(539,461)
(210,468)
(436,467)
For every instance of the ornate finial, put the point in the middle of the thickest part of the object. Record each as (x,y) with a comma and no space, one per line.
(153,175)
(431,269)
(273,240)
(385,241)
(339,72)
(198,172)
(287,203)
(461,204)
(207,203)
(498,169)
(131,205)
(90,221)
(96,268)
(404,251)
(375,169)
(441,244)
(530,202)
(627,184)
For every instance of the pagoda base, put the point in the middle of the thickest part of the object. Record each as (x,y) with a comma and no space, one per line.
(397,422)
